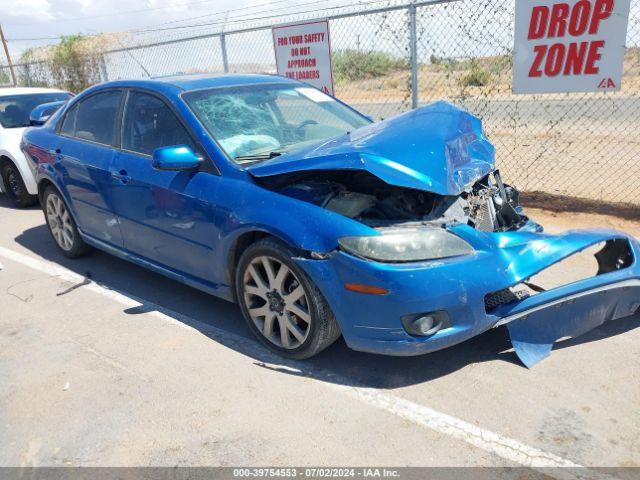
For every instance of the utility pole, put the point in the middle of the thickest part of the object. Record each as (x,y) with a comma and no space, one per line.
(6,51)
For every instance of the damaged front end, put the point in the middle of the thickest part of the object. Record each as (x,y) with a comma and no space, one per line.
(431,166)
(596,280)
(429,176)
(488,205)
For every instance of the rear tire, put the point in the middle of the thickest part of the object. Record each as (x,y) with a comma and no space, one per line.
(280,303)
(14,186)
(62,226)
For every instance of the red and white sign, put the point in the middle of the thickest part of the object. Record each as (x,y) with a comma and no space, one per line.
(569,46)
(303,52)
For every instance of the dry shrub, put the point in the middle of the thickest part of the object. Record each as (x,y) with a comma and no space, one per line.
(76,62)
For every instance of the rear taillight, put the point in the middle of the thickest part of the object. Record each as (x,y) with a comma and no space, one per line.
(36,154)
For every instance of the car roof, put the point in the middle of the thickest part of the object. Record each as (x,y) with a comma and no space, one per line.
(27,90)
(201,81)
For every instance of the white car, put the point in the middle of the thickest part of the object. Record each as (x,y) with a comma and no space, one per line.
(16,178)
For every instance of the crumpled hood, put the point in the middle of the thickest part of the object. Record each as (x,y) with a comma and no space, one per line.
(439,148)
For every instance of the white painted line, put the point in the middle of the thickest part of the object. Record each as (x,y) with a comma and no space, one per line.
(491,442)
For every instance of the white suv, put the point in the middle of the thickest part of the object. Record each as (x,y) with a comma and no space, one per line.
(16,178)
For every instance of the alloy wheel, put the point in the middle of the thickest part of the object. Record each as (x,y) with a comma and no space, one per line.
(59,221)
(277,302)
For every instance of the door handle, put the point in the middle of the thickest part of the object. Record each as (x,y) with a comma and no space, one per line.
(121,176)
(57,154)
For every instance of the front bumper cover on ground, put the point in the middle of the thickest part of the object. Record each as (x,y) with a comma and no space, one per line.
(458,286)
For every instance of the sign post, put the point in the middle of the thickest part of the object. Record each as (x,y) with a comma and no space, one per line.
(303,52)
(569,45)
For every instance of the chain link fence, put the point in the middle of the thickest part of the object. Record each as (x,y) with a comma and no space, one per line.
(388,59)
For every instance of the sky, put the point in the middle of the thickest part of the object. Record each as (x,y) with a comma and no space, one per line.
(40,19)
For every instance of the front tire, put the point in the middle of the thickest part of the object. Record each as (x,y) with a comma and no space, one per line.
(62,226)
(280,303)
(14,186)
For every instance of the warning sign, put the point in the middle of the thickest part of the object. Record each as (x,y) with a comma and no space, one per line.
(303,52)
(569,46)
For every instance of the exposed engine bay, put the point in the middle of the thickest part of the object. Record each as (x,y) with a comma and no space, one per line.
(489,205)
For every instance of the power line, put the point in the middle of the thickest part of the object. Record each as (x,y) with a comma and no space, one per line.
(127,12)
(229,19)
(246,20)
(35,39)
(234,19)
(226,12)
(141,29)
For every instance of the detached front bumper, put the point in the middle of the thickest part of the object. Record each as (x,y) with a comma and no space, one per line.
(459,286)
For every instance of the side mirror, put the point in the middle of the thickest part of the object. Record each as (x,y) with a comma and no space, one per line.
(41,113)
(177,158)
(38,122)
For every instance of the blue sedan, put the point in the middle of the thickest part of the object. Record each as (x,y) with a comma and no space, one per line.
(398,235)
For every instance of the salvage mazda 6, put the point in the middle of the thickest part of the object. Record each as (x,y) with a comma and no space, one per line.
(399,235)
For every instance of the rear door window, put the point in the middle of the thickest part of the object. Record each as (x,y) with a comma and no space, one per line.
(69,123)
(95,118)
(150,124)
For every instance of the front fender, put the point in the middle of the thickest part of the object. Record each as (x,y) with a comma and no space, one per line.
(244,207)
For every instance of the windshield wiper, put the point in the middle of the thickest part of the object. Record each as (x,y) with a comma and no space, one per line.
(260,156)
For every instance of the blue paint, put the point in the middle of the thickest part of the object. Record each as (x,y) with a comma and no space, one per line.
(185,224)
(176,158)
(41,113)
(439,148)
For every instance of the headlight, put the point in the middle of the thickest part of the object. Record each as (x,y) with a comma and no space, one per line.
(407,245)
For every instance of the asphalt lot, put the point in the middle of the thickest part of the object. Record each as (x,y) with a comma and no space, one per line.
(104,363)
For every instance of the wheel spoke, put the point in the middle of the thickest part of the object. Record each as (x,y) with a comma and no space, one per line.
(299,312)
(278,282)
(56,203)
(257,278)
(268,268)
(257,291)
(293,328)
(262,311)
(267,329)
(296,295)
(285,338)
(68,238)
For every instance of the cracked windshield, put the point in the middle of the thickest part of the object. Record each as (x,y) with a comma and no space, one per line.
(259,123)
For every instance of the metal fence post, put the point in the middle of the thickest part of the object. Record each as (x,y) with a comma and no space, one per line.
(103,69)
(223,47)
(27,75)
(413,49)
